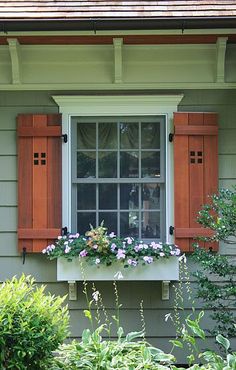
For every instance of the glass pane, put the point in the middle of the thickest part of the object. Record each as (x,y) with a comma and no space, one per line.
(107,164)
(86,135)
(150,134)
(151,225)
(150,196)
(107,135)
(107,196)
(86,196)
(129,198)
(129,164)
(129,136)
(110,221)
(84,220)
(129,224)
(86,164)
(150,164)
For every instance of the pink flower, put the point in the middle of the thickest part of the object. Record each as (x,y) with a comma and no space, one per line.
(120,254)
(83,253)
(148,259)
(129,240)
(112,235)
(113,247)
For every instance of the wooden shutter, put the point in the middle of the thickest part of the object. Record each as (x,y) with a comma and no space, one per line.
(195,172)
(39,180)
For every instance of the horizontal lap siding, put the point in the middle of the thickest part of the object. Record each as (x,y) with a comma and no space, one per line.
(44,271)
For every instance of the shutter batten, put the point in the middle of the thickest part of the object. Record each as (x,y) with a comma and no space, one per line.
(195,173)
(39,180)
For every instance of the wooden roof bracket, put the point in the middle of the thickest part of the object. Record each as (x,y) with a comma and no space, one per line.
(220,58)
(118,60)
(14,49)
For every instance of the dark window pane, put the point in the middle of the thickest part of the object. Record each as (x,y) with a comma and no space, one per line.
(151,225)
(107,164)
(129,136)
(129,198)
(150,164)
(110,221)
(129,164)
(86,136)
(86,196)
(86,164)
(107,135)
(129,224)
(107,196)
(150,196)
(150,134)
(84,220)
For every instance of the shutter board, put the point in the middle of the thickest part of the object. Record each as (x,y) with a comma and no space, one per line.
(39,179)
(196,173)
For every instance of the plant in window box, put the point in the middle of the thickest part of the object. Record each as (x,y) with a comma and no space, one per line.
(110,253)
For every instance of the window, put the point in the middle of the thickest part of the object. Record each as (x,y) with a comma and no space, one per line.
(118,175)
(128,177)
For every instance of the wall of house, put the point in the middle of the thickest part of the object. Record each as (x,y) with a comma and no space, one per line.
(158,331)
(131,294)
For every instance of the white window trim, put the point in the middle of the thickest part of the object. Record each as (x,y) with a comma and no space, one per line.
(131,105)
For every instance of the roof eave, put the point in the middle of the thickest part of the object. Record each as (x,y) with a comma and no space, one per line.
(96,24)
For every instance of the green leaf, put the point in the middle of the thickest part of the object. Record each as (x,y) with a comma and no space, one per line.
(176,343)
(87,314)
(223,341)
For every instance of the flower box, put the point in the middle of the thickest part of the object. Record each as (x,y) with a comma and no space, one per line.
(161,269)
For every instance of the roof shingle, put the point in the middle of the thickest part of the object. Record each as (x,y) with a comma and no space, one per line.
(75,9)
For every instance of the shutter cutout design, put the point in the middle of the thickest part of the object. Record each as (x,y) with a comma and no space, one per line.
(39,180)
(195,173)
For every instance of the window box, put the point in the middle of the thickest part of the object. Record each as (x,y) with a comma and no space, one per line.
(162,269)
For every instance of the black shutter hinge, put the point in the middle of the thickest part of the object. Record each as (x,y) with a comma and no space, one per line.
(171,137)
(65,138)
(64,231)
(171,230)
(24,252)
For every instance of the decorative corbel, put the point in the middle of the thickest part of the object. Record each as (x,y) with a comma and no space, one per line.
(14,49)
(220,58)
(117,43)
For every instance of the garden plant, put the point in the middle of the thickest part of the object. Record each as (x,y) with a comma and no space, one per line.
(32,325)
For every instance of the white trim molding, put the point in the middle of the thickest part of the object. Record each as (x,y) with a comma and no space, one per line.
(129,105)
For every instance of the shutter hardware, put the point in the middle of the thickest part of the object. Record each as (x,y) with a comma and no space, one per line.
(171,230)
(24,252)
(64,231)
(171,137)
(65,138)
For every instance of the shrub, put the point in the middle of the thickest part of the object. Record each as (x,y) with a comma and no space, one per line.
(216,275)
(32,325)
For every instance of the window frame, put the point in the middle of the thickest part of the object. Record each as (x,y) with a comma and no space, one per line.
(122,105)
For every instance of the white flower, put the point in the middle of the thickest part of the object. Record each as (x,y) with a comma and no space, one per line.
(183,257)
(67,249)
(168,316)
(59,237)
(118,275)
(44,251)
(97,261)
(95,295)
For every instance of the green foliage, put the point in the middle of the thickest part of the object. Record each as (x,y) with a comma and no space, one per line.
(217,289)
(216,273)
(94,353)
(97,247)
(32,325)
(219,215)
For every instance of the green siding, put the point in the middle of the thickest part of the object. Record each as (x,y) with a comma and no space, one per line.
(158,332)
